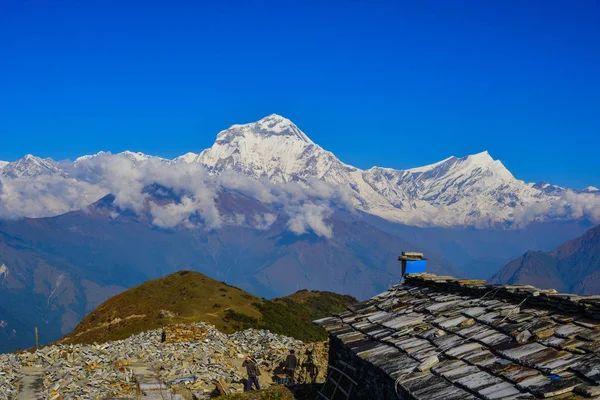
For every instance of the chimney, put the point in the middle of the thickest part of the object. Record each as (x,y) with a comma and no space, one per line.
(412,262)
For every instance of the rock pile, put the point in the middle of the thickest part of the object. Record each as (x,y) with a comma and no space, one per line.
(101,370)
(9,366)
(184,333)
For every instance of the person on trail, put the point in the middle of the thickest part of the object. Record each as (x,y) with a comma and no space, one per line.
(311,367)
(290,365)
(253,373)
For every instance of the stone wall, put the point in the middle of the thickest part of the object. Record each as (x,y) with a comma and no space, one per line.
(373,383)
(312,360)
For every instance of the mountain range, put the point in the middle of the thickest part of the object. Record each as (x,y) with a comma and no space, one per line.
(573,267)
(475,190)
(265,209)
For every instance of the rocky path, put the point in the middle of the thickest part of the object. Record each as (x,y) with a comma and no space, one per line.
(32,383)
(150,384)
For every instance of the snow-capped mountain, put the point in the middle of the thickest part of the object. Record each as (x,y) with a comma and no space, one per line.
(456,191)
(89,157)
(548,188)
(30,166)
(274,148)
(472,190)
(187,158)
(3,164)
(135,157)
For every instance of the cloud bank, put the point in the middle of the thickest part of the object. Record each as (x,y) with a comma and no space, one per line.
(185,195)
(190,198)
(568,205)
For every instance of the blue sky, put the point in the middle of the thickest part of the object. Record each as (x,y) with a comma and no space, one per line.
(397,84)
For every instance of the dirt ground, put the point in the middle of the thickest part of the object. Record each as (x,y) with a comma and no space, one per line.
(302,391)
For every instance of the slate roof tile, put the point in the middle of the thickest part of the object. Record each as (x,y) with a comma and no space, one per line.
(567,330)
(478,381)
(481,358)
(472,329)
(463,350)
(517,373)
(460,372)
(501,390)
(589,366)
(590,347)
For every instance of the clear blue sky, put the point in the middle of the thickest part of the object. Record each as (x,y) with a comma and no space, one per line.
(396,84)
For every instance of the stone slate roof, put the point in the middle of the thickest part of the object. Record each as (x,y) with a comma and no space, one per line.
(446,338)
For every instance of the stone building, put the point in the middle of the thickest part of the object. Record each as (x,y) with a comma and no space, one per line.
(436,337)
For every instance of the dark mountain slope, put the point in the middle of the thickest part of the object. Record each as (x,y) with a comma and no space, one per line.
(62,267)
(572,267)
(480,253)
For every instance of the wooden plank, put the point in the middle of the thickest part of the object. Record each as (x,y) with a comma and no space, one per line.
(344,374)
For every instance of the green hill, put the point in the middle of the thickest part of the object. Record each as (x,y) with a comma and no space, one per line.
(188,296)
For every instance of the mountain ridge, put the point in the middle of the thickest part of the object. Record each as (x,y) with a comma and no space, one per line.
(474,190)
(573,267)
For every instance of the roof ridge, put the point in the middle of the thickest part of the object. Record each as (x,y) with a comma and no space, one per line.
(588,305)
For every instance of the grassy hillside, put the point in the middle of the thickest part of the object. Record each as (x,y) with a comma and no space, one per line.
(188,296)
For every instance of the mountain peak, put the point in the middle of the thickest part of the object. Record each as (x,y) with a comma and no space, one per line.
(89,156)
(482,156)
(35,159)
(267,127)
(276,118)
(134,156)
(29,166)
(485,161)
(275,121)
(473,160)
(187,158)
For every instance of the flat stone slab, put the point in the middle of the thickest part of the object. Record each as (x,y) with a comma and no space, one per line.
(32,383)
(163,395)
(149,383)
(139,368)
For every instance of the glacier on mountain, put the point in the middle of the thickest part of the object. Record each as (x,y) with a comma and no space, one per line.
(30,166)
(475,190)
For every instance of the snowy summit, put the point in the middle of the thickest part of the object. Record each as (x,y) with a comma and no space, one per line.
(472,190)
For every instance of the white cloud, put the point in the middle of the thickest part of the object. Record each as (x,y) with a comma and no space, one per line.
(264,221)
(569,205)
(584,205)
(45,196)
(172,214)
(307,205)
(310,217)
